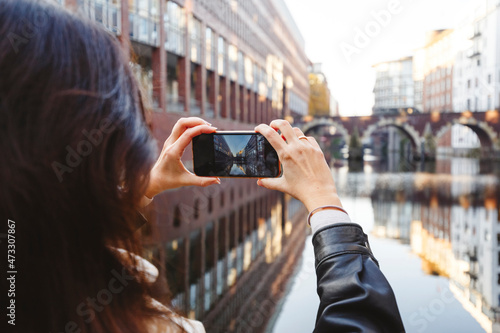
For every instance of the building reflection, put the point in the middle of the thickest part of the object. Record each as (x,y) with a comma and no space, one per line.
(223,156)
(228,251)
(452,221)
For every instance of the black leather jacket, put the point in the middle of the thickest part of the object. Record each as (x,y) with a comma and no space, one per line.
(354,294)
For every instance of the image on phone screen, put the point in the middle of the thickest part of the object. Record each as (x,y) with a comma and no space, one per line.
(235,155)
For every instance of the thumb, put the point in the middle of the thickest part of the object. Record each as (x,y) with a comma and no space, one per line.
(192,179)
(271,183)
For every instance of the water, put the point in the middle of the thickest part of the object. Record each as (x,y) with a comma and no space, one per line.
(437,238)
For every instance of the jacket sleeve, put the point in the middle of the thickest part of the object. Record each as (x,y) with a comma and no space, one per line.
(354,294)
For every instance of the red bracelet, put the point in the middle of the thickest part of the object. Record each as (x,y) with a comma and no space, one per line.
(315,210)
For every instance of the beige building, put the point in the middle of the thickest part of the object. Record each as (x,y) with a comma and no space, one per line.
(319,98)
(439,54)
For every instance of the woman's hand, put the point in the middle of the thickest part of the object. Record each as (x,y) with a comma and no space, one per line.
(169,172)
(306,176)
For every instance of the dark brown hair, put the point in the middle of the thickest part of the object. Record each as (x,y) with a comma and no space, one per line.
(76,155)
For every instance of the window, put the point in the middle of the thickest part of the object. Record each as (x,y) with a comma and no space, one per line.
(222,56)
(241,68)
(209,265)
(233,62)
(468,84)
(195,31)
(194,275)
(489,78)
(175,28)
(142,6)
(210,49)
(144,21)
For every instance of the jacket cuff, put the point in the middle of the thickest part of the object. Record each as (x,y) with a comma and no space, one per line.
(338,239)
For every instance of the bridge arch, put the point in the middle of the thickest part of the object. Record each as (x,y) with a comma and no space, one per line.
(408,129)
(486,134)
(320,122)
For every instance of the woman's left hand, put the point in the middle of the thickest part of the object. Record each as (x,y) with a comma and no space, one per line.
(169,172)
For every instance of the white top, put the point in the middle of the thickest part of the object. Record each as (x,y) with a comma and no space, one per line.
(327,217)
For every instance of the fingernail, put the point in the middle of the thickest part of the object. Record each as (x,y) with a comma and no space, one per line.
(206,122)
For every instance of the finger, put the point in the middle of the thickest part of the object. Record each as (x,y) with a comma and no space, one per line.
(185,138)
(272,183)
(183,124)
(298,132)
(313,141)
(285,128)
(272,136)
(300,135)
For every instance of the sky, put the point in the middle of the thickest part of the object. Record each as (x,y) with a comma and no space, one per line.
(333,30)
(237,142)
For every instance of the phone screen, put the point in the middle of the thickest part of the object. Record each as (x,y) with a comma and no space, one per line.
(234,154)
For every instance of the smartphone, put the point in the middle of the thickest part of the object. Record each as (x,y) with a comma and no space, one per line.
(235,154)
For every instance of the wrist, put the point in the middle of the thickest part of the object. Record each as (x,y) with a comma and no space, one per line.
(314,202)
(152,189)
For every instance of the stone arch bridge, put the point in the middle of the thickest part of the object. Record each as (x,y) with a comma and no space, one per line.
(420,128)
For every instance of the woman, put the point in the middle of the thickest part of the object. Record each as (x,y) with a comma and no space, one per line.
(78,162)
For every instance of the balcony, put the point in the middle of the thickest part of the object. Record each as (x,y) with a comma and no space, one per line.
(472,275)
(474,35)
(472,53)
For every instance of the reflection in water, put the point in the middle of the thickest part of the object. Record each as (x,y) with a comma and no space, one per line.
(231,271)
(449,219)
(238,170)
(452,221)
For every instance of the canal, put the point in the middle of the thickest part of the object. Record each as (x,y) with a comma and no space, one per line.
(435,229)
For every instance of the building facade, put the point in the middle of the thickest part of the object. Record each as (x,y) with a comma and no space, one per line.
(438,71)
(319,100)
(477,70)
(224,253)
(394,87)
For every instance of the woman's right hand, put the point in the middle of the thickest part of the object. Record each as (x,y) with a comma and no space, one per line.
(306,175)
